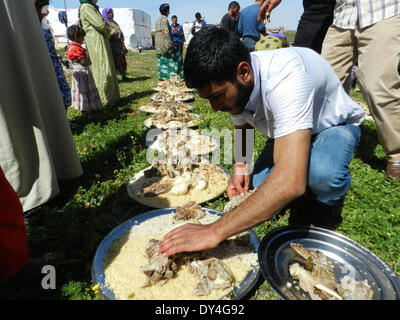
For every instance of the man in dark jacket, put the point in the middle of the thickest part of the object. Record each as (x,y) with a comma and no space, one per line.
(230,20)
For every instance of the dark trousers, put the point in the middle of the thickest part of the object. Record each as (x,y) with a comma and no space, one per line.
(314,23)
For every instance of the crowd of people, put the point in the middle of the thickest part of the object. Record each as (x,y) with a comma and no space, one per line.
(298,97)
(105,53)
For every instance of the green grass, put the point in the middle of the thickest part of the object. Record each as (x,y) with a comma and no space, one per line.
(290,34)
(110,143)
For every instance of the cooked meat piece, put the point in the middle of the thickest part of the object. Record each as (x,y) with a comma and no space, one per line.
(204,287)
(152,172)
(157,188)
(152,248)
(213,274)
(220,274)
(351,289)
(190,211)
(321,282)
(160,268)
(236,201)
(316,256)
(306,280)
(322,269)
(199,268)
(171,174)
(325,276)
(309,283)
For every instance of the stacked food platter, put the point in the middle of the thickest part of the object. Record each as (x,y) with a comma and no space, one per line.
(180,171)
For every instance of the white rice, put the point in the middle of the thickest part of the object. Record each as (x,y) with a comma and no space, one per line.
(217,184)
(127,255)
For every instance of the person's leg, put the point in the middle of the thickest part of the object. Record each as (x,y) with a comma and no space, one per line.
(163,67)
(378,76)
(249,43)
(123,74)
(328,178)
(339,49)
(314,23)
(330,156)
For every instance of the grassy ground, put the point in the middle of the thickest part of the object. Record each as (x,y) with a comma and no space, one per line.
(110,143)
(290,34)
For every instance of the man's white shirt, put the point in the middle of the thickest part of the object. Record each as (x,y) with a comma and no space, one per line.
(295,89)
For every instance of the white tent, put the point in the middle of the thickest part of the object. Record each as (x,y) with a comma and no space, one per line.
(132,22)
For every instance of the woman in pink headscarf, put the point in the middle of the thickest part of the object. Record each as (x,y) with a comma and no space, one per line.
(118,48)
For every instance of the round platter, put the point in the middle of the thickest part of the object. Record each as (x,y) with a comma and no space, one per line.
(97,271)
(347,256)
(190,107)
(193,125)
(190,97)
(216,142)
(158,89)
(140,173)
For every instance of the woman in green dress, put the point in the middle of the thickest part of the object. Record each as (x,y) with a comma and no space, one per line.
(168,59)
(117,39)
(97,37)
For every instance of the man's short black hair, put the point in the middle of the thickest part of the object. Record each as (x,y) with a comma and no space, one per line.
(197,15)
(213,55)
(234,4)
(75,31)
(174,16)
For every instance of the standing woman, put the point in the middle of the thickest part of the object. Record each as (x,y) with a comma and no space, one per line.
(42,10)
(97,42)
(167,59)
(117,39)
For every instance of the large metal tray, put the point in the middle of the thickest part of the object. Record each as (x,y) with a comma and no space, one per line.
(98,277)
(348,257)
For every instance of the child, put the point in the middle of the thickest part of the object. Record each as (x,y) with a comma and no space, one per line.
(85,96)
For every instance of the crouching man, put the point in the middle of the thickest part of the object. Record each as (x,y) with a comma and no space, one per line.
(292,96)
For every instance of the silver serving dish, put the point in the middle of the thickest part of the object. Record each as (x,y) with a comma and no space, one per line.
(132,196)
(98,277)
(347,256)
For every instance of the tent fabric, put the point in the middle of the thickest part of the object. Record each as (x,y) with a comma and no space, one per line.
(131,21)
(36,143)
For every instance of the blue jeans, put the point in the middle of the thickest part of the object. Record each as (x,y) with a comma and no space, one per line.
(328,172)
(249,43)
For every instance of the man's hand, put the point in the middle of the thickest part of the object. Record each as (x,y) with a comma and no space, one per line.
(239,183)
(266,9)
(189,238)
